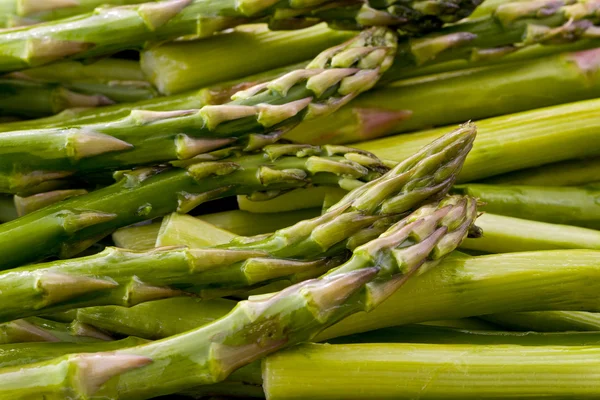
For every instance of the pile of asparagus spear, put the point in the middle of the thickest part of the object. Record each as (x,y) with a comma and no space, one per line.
(299,199)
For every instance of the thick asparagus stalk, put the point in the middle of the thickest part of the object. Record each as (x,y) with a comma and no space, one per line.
(31,99)
(506,235)
(179,67)
(514,142)
(566,173)
(548,321)
(418,103)
(468,286)
(106,31)
(42,330)
(432,371)
(26,12)
(258,115)
(72,225)
(121,277)
(259,326)
(577,206)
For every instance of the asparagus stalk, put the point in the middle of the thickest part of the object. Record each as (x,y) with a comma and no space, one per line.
(577,206)
(548,321)
(25,12)
(120,277)
(469,286)
(42,330)
(137,237)
(31,99)
(259,326)
(513,142)
(72,225)
(184,230)
(566,173)
(106,31)
(507,234)
(27,205)
(298,199)
(432,371)
(258,115)
(179,67)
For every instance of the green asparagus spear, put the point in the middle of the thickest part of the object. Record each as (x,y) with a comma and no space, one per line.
(121,277)
(566,173)
(108,30)
(26,12)
(42,330)
(418,103)
(432,371)
(72,225)
(31,99)
(512,142)
(468,286)
(548,321)
(577,206)
(182,66)
(258,115)
(506,234)
(259,326)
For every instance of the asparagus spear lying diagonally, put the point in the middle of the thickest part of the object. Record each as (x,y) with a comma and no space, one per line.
(73,225)
(120,277)
(331,80)
(259,326)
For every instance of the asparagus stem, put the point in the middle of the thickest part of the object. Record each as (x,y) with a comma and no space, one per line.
(548,321)
(184,230)
(137,237)
(468,286)
(513,142)
(101,71)
(72,225)
(42,330)
(259,115)
(507,234)
(577,206)
(121,277)
(27,205)
(418,103)
(432,371)
(178,67)
(298,199)
(31,99)
(566,173)
(259,326)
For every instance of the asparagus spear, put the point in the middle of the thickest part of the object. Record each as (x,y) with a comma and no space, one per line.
(468,286)
(259,115)
(120,277)
(566,173)
(185,230)
(414,104)
(259,326)
(42,330)
(26,12)
(513,142)
(182,66)
(27,205)
(548,321)
(506,234)
(106,31)
(72,225)
(432,371)
(577,206)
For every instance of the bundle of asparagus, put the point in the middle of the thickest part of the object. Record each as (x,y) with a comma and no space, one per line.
(131,271)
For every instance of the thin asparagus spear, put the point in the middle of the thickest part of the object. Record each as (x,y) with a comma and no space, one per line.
(566,173)
(72,225)
(432,371)
(26,12)
(42,330)
(106,31)
(121,277)
(259,326)
(548,321)
(8,212)
(418,103)
(507,234)
(469,286)
(513,142)
(258,115)
(575,205)
(31,99)
(178,67)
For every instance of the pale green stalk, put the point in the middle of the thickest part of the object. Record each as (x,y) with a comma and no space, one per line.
(548,321)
